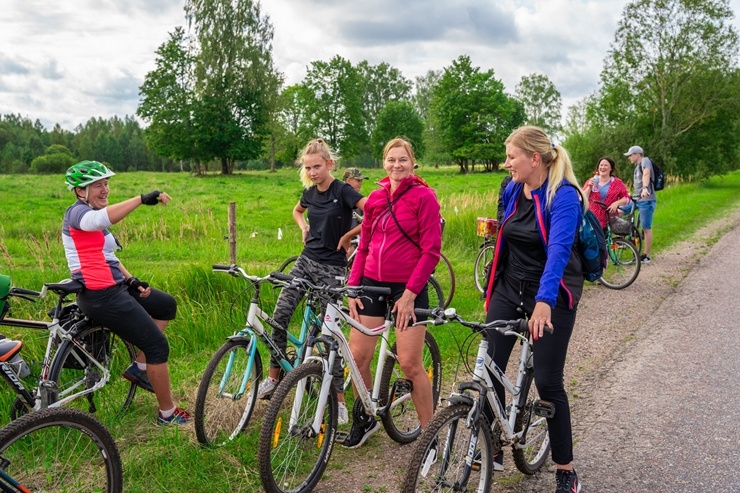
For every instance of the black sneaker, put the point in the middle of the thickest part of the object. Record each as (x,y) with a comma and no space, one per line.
(359,434)
(644,259)
(567,481)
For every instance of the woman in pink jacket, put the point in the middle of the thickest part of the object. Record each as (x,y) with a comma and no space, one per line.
(607,189)
(399,248)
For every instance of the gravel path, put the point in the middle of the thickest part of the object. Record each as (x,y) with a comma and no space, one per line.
(626,346)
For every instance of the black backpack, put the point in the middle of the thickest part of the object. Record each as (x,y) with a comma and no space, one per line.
(658,178)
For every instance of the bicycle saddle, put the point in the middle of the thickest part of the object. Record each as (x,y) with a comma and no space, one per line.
(67,286)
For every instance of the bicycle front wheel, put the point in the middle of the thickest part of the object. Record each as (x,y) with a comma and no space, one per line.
(623,264)
(439,463)
(530,456)
(222,406)
(401,421)
(482,269)
(292,454)
(74,372)
(61,449)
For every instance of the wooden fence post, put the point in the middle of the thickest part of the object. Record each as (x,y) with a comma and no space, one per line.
(232,232)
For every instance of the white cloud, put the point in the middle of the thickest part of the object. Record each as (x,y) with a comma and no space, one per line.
(66,62)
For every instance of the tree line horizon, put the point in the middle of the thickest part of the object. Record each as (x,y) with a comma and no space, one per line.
(670,83)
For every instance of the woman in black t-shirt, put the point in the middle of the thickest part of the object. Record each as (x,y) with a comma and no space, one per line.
(328,203)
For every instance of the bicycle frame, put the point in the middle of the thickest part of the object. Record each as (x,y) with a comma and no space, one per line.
(331,332)
(486,370)
(255,329)
(42,396)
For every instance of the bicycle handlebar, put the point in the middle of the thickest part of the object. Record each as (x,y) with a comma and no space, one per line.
(441,316)
(27,294)
(351,291)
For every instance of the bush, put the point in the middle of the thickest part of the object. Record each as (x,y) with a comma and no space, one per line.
(52,163)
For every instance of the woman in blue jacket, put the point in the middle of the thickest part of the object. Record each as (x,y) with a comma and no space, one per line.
(537,272)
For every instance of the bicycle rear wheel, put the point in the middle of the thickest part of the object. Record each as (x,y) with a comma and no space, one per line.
(436,296)
(61,449)
(222,411)
(530,457)
(623,264)
(73,372)
(288,264)
(483,266)
(291,455)
(438,462)
(401,421)
(445,276)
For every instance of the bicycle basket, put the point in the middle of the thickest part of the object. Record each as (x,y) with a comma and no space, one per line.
(619,225)
(4,290)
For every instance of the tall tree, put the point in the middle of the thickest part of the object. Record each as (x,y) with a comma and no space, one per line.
(670,71)
(542,102)
(167,98)
(473,115)
(380,84)
(335,105)
(398,119)
(236,81)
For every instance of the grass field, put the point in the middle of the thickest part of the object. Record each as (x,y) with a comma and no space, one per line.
(173,248)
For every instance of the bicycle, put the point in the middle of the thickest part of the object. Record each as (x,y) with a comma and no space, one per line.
(488,229)
(633,232)
(623,265)
(59,449)
(80,359)
(300,425)
(455,452)
(434,288)
(227,393)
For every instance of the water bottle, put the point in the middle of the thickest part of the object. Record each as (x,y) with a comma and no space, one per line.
(595,183)
(20,368)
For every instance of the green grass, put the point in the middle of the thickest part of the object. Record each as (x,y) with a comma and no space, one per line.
(173,247)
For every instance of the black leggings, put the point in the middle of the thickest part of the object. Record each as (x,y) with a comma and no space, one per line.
(132,317)
(549,358)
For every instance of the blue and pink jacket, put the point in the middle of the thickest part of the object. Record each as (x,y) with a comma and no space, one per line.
(557,226)
(384,253)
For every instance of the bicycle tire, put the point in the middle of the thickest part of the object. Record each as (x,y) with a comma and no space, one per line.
(293,460)
(219,416)
(481,271)
(288,264)
(623,265)
(434,291)
(530,457)
(61,449)
(401,422)
(72,372)
(449,472)
(445,276)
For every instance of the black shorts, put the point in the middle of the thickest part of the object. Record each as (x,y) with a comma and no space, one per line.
(132,317)
(377,305)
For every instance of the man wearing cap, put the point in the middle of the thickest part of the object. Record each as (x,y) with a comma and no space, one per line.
(644,189)
(354,177)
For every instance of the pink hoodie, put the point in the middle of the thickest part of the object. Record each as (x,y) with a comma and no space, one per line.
(384,253)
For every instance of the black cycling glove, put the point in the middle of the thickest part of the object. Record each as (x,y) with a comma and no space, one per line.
(151,198)
(133,284)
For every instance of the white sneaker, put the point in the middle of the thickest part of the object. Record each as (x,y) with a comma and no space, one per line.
(264,391)
(343,416)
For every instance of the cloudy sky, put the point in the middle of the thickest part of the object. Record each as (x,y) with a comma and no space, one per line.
(65,62)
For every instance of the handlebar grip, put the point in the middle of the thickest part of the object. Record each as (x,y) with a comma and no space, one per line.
(375,289)
(426,313)
(281,276)
(223,267)
(24,292)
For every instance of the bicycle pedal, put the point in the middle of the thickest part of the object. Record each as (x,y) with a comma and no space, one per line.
(340,436)
(402,386)
(544,409)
